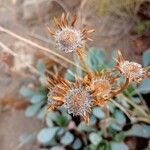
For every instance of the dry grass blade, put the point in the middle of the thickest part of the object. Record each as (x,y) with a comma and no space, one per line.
(2,29)
(121,108)
(7,49)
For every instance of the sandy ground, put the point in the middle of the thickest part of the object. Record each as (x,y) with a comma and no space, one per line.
(12,126)
(13,123)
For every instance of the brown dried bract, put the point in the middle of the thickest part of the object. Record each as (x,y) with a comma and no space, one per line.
(67,37)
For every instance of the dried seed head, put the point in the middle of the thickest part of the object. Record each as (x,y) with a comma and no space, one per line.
(55,98)
(57,89)
(67,37)
(78,101)
(68,40)
(131,70)
(53,92)
(101,86)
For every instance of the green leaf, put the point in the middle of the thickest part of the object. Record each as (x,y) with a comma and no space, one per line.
(119,137)
(64,113)
(49,122)
(95,59)
(69,75)
(91,147)
(138,130)
(26,92)
(77,144)
(47,134)
(146,58)
(136,100)
(62,121)
(40,67)
(115,126)
(83,127)
(33,109)
(37,98)
(112,61)
(111,107)
(61,131)
(43,90)
(97,111)
(92,120)
(130,90)
(95,138)
(119,146)
(57,148)
(120,117)
(53,115)
(42,113)
(144,86)
(67,138)
(122,100)
(104,145)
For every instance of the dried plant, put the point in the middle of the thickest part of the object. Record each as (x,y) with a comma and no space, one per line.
(95,89)
(67,37)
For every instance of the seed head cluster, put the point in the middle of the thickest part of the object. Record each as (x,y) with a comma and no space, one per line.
(78,101)
(68,40)
(131,70)
(95,88)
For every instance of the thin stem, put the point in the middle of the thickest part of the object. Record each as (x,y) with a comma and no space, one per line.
(146,120)
(135,106)
(121,108)
(62,5)
(39,47)
(127,81)
(14,54)
(82,61)
(106,111)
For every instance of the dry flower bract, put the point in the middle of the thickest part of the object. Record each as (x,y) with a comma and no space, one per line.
(95,88)
(57,89)
(67,37)
(131,70)
(76,97)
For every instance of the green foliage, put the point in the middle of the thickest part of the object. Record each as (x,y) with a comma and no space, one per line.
(33,109)
(37,98)
(118,146)
(146,58)
(69,75)
(47,134)
(139,130)
(60,130)
(96,59)
(145,84)
(118,8)
(97,111)
(26,92)
(141,27)
(40,67)
(77,144)
(67,139)
(120,117)
(95,138)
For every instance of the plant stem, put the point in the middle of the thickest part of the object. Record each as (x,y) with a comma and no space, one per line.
(121,108)
(135,106)
(114,93)
(44,49)
(80,53)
